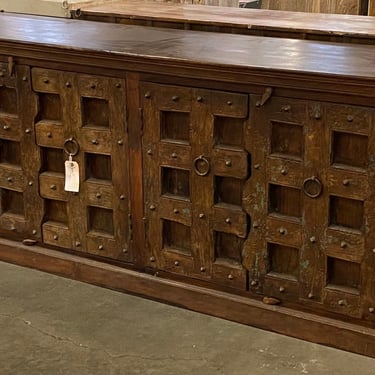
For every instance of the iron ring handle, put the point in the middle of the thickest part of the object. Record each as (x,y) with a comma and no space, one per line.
(312,187)
(204,163)
(73,149)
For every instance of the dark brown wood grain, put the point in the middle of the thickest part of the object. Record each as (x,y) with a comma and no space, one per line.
(265,22)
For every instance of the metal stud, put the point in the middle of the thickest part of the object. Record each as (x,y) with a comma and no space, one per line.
(10,179)
(254,283)
(230,277)
(45,80)
(350,118)
(78,244)
(55,237)
(371,310)
(93,86)
(122,197)
(147,95)
(6,127)
(149,152)
(229,102)
(342,302)
(120,142)
(343,245)
(52,187)
(202,269)
(30,183)
(152,259)
(125,251)
(255,225)
(118,85)
(286,108)
(98,195)
(317,115)
(101,247)
(284,171)
(227,220)
(34,232)
(176,211)
(346,182)
(228,163)
(95,142)
(256,166)
(282,231)
(176,263)
(373,250)
(68,84)
(175,98)
(313,239)
(202,216)
(199,99)
(1,74)
(174,155)
(24,78)
(282,289)
(152,207)
(49,135)
(27,131)
(310,296)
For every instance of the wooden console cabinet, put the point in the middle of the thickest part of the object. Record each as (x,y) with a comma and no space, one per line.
(228,174)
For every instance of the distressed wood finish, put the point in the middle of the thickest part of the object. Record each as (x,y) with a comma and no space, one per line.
(212,160)
(330,27)
(318,6)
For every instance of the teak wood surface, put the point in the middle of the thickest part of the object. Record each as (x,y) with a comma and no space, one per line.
(227,174)
(330,27)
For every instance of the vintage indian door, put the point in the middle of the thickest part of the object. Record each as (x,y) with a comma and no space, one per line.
(46,115)
(196,167)
(311,201)
(83,116)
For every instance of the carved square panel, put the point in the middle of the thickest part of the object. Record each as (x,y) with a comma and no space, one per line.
(98,166)
(287,139)
(350,149)
(228,190)
(176,237)
(229,131)
(343,273)
(175,126)
(10,152)
(175,182)
(100,220)
(346,212)
(283,261)
(53,160)
(285,200)
(49,107)
(55,211)
(8,101)
(95,112)
(228,247)
(12,202)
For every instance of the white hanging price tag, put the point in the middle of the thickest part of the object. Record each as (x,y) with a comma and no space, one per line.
(71,175)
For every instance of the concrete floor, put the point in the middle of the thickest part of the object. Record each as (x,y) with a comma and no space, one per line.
(52,326)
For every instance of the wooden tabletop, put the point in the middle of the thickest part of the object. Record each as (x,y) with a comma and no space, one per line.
(241,18)
(188,47)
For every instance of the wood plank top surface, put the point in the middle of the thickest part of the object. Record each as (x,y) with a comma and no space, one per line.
(188,48)
(259,19)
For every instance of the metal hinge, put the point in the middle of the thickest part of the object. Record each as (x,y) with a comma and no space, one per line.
(265,97)
(130,228)
(140,114)
(10,66)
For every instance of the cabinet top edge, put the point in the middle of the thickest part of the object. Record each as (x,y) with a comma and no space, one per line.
(193,47)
